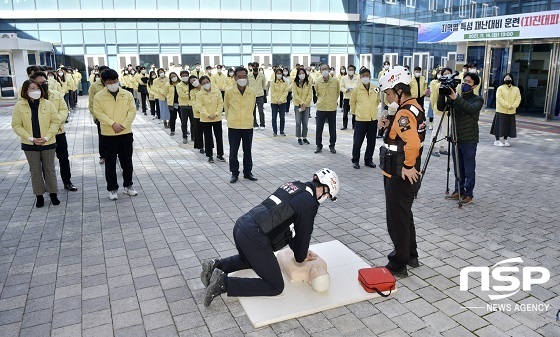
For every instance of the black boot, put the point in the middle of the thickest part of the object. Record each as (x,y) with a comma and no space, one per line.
(54,199)
(40,201)
(216,287)
(208,267)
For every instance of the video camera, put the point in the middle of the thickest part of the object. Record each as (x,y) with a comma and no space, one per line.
(448,83)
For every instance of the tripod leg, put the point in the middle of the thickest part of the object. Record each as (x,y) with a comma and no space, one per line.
(455,156)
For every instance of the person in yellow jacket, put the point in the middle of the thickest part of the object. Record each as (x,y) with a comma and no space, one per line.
(54,83)
(96,87)
(141,79)
(94,72)
(328,89)
(36,121)
(185,108)
(61,143)
(303,94)
(364,104)
(172,98)
(434,94)
(161,95)
(72,88)
(114,108)
(508,99)
(257,82)
(278,101)
(154,102)
(209,104)
(419,86)
(347,84)
(239,102)
(230,80)
(196,128)
(219,80)
(386,66)
(293,73)
(78,79)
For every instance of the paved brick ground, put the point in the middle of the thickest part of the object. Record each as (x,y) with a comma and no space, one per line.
(96,267)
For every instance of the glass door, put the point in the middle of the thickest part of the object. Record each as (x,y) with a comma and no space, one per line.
(338,61)
(498,60)
(407,60)
(7,89)
(421,60)
(125,60)
(365,61)
(393,58)
(165,61)
(301,59)
(211,60)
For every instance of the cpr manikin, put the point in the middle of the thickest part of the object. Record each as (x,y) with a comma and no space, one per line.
(313,272)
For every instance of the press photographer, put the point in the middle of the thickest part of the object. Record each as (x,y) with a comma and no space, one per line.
(465,114)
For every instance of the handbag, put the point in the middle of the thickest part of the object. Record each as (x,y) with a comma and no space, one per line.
(377,279)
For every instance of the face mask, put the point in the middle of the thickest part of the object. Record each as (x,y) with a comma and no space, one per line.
(325,73)
(394,106)
(301,76)
(174,79)
(184,79)
(417,75)
(126,72)
(45,87)
(51,78)
(95,79)
(472,70)
(313,68)
(255,71)
(344,72)
(35,94)
(278,76)
(285,73)
(366,80)
(113,87)
(143,71)
(350,72)
(195,84)
(386,67)
(161,74)
(219,70)
(332,72)
(242,82)
(197,67)
(154,76)
(60,73)
(508,82)
(438,76)
(307,72)
(206,86)
(465,87)
(96,72)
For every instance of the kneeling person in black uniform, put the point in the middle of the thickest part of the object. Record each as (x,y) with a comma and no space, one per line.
(284,218)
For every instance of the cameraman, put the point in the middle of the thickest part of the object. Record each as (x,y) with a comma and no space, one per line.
(467,108)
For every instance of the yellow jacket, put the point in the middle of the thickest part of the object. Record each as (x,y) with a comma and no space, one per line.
(170,93)
(230,83)
(508,99)
(77,78)
(54,85)
(192,95)
(183,92)
(138,78)
(327,93)
(347,83)
(381,74)
(293,74)
(58,101)
(123,79)
(210,104)
(159,87)
(219,81)
(278,92)
(64,87)
(239,108)
(109,110)
(414,87)
(91,78)
(364,102)
(93,90)
(132,83)
(49,121)
(198,73)
(434,94)
(151,93)
(302,95)
(257,84)
(72,86)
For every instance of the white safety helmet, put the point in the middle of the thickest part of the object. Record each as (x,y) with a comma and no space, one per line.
(329,178)
(394,76)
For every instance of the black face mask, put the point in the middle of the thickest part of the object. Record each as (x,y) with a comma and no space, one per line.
(45,87)
(255,71)
(508,82)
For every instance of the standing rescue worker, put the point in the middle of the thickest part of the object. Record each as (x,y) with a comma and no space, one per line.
(284,218)
(399,159)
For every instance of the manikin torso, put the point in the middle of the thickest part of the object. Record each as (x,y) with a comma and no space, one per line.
(313,272)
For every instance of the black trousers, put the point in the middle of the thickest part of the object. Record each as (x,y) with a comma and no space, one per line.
(235,137)
(72,99)
(314,95)
(172,117)
(118,146)
(259,103)
(143,96)
(185,114)
(363,130)
(62,155)
(346,110)
(197,133)
(157,108)
(209,140)
(340,99)
(399,195)
(101,141)
(254,252)
(421,101)
(330,117)
(153,107)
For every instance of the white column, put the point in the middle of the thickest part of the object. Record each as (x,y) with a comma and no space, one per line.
(21,63)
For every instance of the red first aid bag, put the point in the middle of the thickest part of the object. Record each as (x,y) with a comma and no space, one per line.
(377,279)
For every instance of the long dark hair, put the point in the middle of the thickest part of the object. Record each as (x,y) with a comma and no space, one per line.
(61,77)
(151,79)
(276,79)
(191,87)
(511,76)
(173,73)
(304,81)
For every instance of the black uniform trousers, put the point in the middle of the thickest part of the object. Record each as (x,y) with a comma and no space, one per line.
(399,195)
(101,141)
(185,114)
(62,155)
(346,110)
(255,252)
(120,146)
(197,133)
(216,129)
(235,136)
(367,130)
(143,90)
(172,117)
(330,117)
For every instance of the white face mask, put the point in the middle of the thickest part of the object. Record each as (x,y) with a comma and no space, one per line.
(342,71)
(301,76)
(154,76)
(386,67)
(313,68)
(366,80)
(242,82)
(219,70)
(60,73)
(161,74)
(472,70)
(285,73)
(438,76)
(350,72)
(278,76)
(195,84)
(332,72)
(126,72)
(143,71)
(35,94)
(230,74)
(51,77)
(206,86)
(417,74)
(325,73)
(197,67)
(184,79)
(113,87)
(394,106)
(174,79)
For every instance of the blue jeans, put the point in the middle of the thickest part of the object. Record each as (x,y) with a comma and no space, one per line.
(278,109)
(467,165)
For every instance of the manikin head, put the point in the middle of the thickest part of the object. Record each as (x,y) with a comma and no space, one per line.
(319,278)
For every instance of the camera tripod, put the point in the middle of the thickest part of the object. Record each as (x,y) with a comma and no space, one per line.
(451,138)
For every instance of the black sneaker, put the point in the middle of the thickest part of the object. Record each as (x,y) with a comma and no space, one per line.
(318,149)
(201,151)
(208,267)
(211,160)
(299,142)
(331,148)
(40,201)
(54,199)
(305,141)
(216,287)
(221,158)
(356,166)
(413,263)
(400,273)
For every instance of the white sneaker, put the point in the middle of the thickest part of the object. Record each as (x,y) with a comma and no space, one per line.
(498,143)
(113,195)
(506,143)
(130,191)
